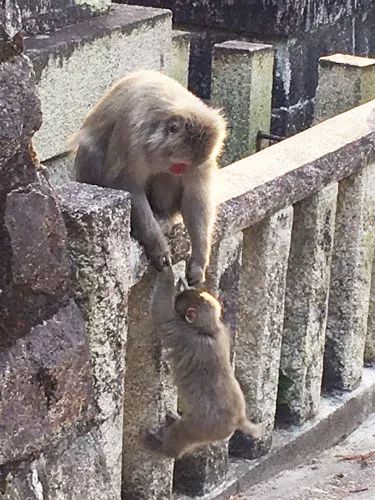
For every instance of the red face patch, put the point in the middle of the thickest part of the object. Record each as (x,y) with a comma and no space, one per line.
(178,168)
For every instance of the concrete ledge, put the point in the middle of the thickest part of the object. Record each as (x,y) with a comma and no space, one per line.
(338,417)
(76,65)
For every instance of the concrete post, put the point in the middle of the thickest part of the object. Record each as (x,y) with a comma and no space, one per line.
(370,340)
(306,301)
(98,224)
(149,393)
(345,82)
(260,322)
(179,69)
(350,284)
(197,474)
(242,76)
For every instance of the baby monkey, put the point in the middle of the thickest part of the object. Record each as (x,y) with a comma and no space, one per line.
(213,405)
(152,137)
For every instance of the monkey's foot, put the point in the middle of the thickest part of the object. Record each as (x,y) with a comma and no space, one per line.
(154,438)
(171,417)
(195,274)
(160,259)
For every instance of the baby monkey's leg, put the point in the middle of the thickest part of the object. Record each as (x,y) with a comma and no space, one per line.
(176,438)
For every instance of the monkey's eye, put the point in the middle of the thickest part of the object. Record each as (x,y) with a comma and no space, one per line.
(172,128)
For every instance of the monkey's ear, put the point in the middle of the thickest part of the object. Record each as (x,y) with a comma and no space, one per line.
(191,315)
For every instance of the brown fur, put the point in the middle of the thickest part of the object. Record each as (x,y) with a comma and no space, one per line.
(142,126)
(199,343)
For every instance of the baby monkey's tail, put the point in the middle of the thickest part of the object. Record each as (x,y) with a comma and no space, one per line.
(255,430)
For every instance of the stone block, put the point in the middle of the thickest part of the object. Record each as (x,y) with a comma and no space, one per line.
(76,469)
(247,68)
(260,324)
(180,57)
(77,64)
(200,472)
(258,17)
(350,284)
(45,381)
(306,301)
(345,81)
(41,17)
(98,225)
(370,339)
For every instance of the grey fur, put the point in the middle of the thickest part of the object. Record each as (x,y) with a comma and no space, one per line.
(212,401)
(142,126)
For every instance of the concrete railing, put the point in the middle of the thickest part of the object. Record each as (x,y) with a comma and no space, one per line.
(296,227)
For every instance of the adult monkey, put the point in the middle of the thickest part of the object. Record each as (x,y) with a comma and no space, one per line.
(152,137)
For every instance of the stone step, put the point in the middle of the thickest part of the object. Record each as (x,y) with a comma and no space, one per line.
(76,65)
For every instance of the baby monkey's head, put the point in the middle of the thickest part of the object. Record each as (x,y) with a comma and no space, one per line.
(200,309)
(186,135)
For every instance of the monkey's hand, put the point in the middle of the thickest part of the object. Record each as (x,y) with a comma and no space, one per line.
(195,274)
(158,253)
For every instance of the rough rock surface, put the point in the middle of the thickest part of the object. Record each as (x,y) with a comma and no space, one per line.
(306,301)
(45,364)
(260,322)
(350,283)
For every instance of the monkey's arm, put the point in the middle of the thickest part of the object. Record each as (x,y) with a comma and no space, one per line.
(147,231)
(164,295)
(198,212)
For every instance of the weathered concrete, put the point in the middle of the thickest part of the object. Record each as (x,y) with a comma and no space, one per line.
(345,82)
(247,68)
(149,393)
(274,17)
(77,64)
(306,301)
(199,473)
(74,470)
(44,16)
(260,322)
(350,284)
(45,381)
(370,339)
(98,224)
(329,476)
(251,189)
(338,417)
(180,57)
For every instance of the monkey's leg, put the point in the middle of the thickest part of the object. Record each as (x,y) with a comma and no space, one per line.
(179,437)
(88,164)
(171,417)
(148,232)
(198,213)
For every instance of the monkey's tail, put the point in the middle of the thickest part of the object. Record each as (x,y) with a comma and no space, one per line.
(255,430)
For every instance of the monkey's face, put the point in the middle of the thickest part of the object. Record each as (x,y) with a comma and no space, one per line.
(198,308)
(185,140)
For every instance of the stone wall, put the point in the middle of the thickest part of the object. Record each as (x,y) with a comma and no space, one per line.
(45,361)
(301,32)
(81,372)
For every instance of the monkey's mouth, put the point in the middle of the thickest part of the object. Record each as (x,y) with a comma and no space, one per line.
(179,168)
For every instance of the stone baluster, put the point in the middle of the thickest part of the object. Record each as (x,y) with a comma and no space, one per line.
(306,301)
(260,322)
(350,283)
